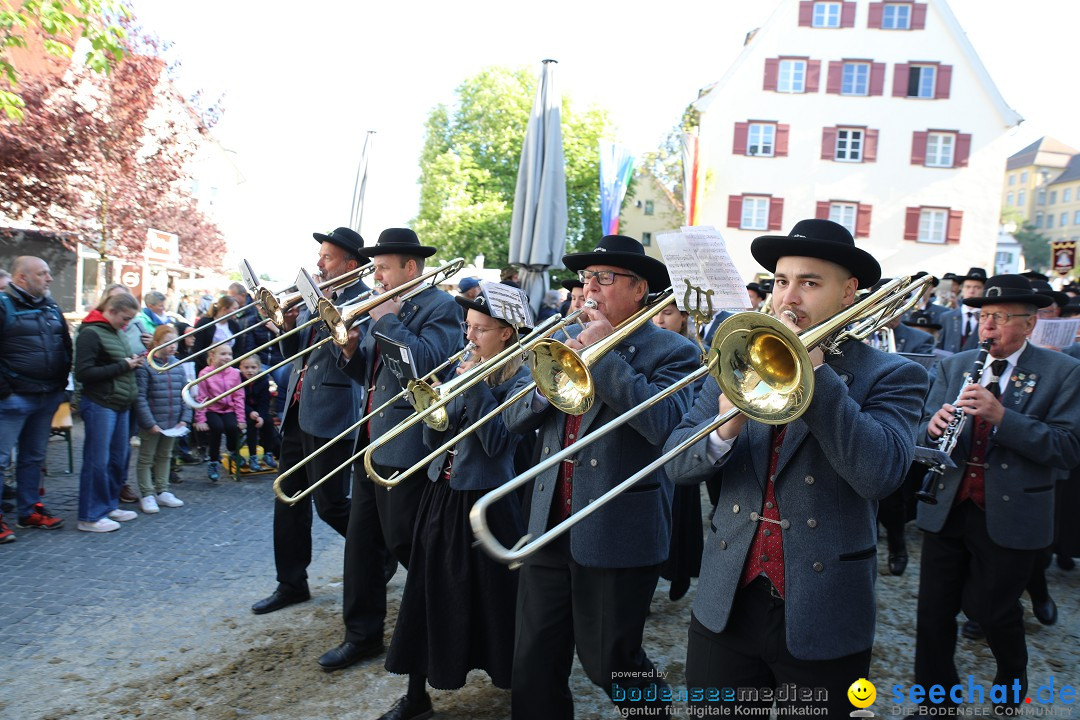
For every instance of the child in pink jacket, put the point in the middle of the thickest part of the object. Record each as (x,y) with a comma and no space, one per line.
(224,417)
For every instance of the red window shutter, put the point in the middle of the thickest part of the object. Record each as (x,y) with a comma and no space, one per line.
(877,78)
(813,75)
(742,130)
(822,212)
(734,211)
(869,153)
(806,13)
(772,73)
(956,219)
(911,223)
(862,221)
(876,12)
(782,133)
(900,79)
(847,15)
(776,213)
(944,82)
(918,16)
(918,147)
(835,82)
(963,150)
(828,143)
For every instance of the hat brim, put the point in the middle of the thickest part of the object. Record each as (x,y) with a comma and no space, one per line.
(923,326)
(1039,301)
(768,249)
(569,285)
(654,271)
(357,253)
(483,308)
(399,249)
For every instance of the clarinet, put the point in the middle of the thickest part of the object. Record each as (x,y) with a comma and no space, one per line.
(928,492)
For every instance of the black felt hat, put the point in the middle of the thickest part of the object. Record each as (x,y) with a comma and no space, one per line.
(974,273)
(1033,276)
(398,241)
(1008,289)
(1043,288)
(922,273)
(345,238)
(756,287)
(480,304)
(821,239)
(623,252)
(569,285)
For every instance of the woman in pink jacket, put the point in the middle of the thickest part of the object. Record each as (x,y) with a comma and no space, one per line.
(226,416)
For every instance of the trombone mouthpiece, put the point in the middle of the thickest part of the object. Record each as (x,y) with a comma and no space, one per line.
(469,349)
(791,316)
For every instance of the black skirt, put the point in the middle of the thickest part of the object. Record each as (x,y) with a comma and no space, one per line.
(457,609)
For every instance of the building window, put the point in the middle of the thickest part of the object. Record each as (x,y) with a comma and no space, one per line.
(648,207)
(646,239)
(1066,195)
(856,79)
(1023,177)
(761,139)
(1009,199)
(1076,218)
(1012,179)
(1038,220)
(826,15)
(932,226)
(921,81)
(755,213)
(844,214)
(1064,220)
(1021,198)
(792,76)
(849,145)
(939,149)
(1053,197)
(1040,197)
(896,16)
(1049,221)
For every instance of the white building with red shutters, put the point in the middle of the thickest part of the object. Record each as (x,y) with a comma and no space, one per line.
(878,115)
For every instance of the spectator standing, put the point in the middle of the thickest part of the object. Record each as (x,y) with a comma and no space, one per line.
(35,357)
(159,406)
(106,391)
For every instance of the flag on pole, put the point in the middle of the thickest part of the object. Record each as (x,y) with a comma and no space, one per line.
(356,215)
(691,176)
(616,167)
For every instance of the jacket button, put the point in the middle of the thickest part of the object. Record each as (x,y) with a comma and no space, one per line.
(1005,498)
(723,544)
(809,479)
(697,457)
(811,523)
(767,533)
(380,415)
(314,367)
(735,508)
(547,450)
(785,524)
(818,567)
(593,462)
(541,487)
(1004,466)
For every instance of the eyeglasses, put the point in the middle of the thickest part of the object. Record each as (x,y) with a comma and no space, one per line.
(1000,318)
(476,329)
(603,277)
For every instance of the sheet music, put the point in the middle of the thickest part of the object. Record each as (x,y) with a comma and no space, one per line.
(698,254)
(397,357)
(508,303)
(1057,333)
(309,291)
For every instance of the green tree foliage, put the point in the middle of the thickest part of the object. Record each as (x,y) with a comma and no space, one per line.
(1036,247)
(666,161)
(469,165)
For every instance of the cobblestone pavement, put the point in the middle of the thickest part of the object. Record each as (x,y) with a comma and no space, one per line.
(154,621)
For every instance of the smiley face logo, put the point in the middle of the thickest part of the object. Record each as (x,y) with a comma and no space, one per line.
(862,693)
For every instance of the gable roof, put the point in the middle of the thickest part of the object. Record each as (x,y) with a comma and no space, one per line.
(1072,172)
(1044,151)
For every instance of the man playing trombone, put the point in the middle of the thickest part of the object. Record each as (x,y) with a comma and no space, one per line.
(321,402)
(429,323)
(592,588)
(786,593)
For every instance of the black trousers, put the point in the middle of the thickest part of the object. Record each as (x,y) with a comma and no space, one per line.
(601,611)
(292,523)
(963,569)
(221,424)
(380,532)
(752,652)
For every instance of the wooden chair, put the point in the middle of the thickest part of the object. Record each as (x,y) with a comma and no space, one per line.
(61,426)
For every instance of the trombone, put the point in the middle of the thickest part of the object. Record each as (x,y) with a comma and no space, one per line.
(292,499)
(274,308)
(338,321)
(761,366)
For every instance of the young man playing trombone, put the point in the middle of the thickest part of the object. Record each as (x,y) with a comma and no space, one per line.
(786,593)
(592,587)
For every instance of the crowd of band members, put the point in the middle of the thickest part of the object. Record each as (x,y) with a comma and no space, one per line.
(786,593)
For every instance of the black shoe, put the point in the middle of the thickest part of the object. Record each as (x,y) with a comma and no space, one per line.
(897,563)
(348,653)
(408,709)
(1045,610)
(1065,562)
(679,588)
(972,630)
(276,601)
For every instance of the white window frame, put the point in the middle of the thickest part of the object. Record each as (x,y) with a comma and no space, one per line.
(761,136)
(1009,199)
(850,144)
(857,82)
(1012,179)
(846,214)
(1021,198)
(940,150)
(927,81)
(1066,195)
(1076,218)
(1039,220)
(933,226)
(791,76)
(826,14)
(1053,197)
(1023,177)
(754,213)
(1050,221)
(1064,220)
(896,20)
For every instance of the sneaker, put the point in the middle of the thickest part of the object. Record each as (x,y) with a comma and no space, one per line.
(39,518)
(212,472)
(102,525)
(174,477)
(253,465)
(123,515)
(149,504)
(127,495)
(169,500)
(269,461)
(6,535)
